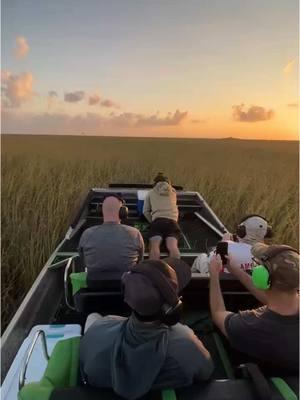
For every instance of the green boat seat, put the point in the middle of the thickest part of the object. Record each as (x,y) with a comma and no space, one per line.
(61,382)
(61,372)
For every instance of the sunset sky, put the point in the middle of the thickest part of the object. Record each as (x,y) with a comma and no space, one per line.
(192,68)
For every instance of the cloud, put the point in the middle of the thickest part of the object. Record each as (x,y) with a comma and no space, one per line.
(198,121)
(22,47)
(74,97)
(52,93)
(94,99)
(133,119)
(289,67)
(293,105)
(52,98)
(16,89)
(88,123)
(169,120)
(254,113)
(109,104)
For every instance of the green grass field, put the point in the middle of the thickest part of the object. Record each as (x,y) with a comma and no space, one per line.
(44,178)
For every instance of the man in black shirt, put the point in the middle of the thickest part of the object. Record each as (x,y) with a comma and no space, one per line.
(269,333)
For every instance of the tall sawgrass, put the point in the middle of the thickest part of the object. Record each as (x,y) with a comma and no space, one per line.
(44,179)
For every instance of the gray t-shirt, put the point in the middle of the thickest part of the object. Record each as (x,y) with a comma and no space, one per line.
(111,249)
(133,357)
(266,335)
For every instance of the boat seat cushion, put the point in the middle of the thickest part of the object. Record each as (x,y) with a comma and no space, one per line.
(78,281)
(62,371)
(214,390)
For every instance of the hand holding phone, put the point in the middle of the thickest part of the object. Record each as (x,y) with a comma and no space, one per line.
(222,249)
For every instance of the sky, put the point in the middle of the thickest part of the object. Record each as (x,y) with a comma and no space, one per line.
(171,68)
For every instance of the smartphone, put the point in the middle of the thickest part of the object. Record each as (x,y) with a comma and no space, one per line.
(222,249)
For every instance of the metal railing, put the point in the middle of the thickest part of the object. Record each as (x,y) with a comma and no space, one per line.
(70,264)
(22,376)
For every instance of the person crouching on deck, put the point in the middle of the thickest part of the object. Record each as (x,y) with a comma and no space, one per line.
(150,350)
(160,209)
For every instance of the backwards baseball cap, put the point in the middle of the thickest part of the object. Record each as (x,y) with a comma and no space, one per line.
(282,262)
(152,283)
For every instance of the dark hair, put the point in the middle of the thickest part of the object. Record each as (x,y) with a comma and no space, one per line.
(160,177)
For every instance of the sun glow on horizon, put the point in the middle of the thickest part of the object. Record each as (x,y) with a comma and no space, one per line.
(156,78)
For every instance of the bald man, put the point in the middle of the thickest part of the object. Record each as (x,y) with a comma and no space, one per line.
(110,249)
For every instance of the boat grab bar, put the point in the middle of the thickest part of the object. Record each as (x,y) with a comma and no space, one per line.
(22,376)
(66,280)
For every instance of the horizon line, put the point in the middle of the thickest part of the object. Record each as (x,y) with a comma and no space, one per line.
(151,137)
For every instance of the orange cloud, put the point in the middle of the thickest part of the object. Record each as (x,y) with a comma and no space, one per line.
(289,67)
(253,114)
(22,47)
(169,120)
(293,105)
(94,99)
(197,121)
(91,123)
(16,89)
(109,104)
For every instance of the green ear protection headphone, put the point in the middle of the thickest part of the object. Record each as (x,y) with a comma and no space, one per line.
(261,275)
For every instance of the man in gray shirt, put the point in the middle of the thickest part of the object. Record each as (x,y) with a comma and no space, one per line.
(110,249)
(269,334)
(150,349)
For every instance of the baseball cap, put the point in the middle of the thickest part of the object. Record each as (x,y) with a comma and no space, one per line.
(283,266)
(152,283)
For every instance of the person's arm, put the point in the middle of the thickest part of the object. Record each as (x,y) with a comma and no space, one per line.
(216,301)
(147,208)
(141,247)
(245,280)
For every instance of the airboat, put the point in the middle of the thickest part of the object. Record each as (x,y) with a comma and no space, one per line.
(40,347)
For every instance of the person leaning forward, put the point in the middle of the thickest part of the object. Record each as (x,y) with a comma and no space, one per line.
(110,249)
(270,333)
(160,209)
(150,349)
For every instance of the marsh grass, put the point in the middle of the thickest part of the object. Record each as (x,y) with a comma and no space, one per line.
(45,177)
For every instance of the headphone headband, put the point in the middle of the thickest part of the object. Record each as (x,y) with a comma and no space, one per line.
(241,228)
(123,213)
(115,195)
(252,215)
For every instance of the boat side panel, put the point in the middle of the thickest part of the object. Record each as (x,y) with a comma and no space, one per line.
(38,307)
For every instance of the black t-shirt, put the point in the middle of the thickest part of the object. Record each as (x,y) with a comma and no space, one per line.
(266,335)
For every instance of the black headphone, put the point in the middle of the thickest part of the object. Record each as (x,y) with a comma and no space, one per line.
(241,229)
(123,212)
(158,273)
